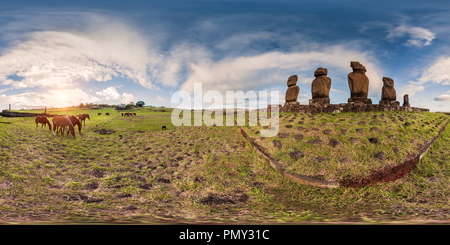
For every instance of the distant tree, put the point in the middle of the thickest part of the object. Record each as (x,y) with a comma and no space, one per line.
(81,105)
(129,106)
(140,103)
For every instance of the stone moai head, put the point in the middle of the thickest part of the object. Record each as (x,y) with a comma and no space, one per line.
(388,82)
(320,71)
(357,66)
(405,98)
(292,80)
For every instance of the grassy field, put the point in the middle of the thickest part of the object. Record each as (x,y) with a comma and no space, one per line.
(128,169)
(348,145)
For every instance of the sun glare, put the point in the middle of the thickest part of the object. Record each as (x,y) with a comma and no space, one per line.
(62,96)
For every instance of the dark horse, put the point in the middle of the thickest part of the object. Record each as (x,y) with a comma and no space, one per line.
(83,117)
(44,120)
(107,114)
(63,122)
(99,113)
(74,120)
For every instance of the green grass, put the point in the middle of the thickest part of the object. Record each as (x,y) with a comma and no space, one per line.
(168,175)
(362,154)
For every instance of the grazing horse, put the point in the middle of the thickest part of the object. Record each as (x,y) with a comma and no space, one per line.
(83,117)
(74,120)
(122,113)
(134,114)
(99,113)
(44,120)
(63,122)
(107,114)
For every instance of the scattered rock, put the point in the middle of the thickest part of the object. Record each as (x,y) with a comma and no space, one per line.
(315,141)
(407,124)
(283,135)
(288,126)
(296,155)
(97,173)
(91,186)
(121,195)
(277,144)
(146,186)
(380,155)
(130,207)
(355,140)
(374,129)
(315,129)
(337,124)
(374,140)
(301,128)
(359,130)
(298,137)
(346,160)
(162,180)
(320,159)
(333,143)
(301,122)
(327,131)
(390,136)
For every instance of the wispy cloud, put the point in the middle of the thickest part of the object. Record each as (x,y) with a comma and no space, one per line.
(417,36)
(111,93)
(101,49)
(52,98)
(160,98)
(443,97)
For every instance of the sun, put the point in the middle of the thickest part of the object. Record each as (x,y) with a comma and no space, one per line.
(62,96)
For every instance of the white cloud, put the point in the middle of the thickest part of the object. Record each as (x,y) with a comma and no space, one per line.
(418,36)
(443,97)
(52,98)
(103,48)
(411,89)
(109,93)
(339,91)
(263,70)
(127,98)
(3,90)
(160,98)
(438,73)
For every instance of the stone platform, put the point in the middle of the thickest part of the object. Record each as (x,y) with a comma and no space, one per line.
(345,107)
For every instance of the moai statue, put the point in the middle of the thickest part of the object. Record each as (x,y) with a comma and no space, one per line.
(406,100)
(388,94)
(320,87)
(358,83)
(293,90)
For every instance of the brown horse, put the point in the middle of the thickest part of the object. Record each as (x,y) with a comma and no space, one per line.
(74,120)
(134,114)
(63,122)
(83,117)
(44,120)
(99,113)
(107,114)
(122,113)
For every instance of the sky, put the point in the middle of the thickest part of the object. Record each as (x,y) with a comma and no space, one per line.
(63,53)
